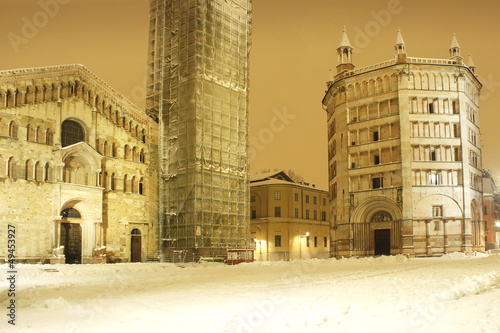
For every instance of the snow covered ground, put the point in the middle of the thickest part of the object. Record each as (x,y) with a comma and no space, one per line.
(388,294)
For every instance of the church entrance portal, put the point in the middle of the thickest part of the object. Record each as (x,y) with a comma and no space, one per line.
(71,239)
(383,242)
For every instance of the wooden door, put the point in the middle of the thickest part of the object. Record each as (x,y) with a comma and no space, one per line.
(383,242)
(71,239)
(135,249)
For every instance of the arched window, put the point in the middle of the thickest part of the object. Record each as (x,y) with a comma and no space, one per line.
(113,181)
(134,154)
(126,154)
(40,135)
(136,232)
(143,135)
(71,213)
(134,185)
(125,184)
(13,130)
(142,157)
(12,172)
(29,170)
(71,133)
(49,137)
(141,186)
(114,150)
(30,133)
(47,174)
(38,172)
(105,149)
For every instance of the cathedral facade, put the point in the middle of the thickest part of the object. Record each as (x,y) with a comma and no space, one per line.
(78,169)
(404,155)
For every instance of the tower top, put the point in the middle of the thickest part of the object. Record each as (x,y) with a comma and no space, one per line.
(471,65)
(455,49)
(344,42)
(399,39)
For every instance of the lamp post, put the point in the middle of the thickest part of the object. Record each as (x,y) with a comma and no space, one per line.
(300,245)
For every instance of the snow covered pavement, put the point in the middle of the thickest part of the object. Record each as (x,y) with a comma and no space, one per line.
(388,294)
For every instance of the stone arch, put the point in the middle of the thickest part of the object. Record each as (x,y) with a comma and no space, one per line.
(29,170)
(73,131)
(47,96)
(386,85)
(40,134)
(11,98)
(357,91)
(365,210)
(38,171)
(425,81)
(446,82)
(48,171)
(12,168)
(417,81)
(13,129)
(394,82)
(30,95)
(371,87)
(451,207)
(379,86)
(142,188)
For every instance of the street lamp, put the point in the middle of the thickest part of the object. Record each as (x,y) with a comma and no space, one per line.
(300,245)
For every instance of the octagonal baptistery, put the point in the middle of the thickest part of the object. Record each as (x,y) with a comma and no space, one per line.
(78,171)
(404,155)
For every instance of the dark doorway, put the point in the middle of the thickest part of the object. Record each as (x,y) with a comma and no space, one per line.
(383,242)
(71,239)
(135,246)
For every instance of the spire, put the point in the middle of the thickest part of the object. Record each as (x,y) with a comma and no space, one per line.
(399,39)
(344,53)
(330,78)
(400,46)
(344,42)
(455,48)
(471,65)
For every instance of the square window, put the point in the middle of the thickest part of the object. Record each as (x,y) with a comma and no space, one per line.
(277,195)
(277,211)
(437,211)
(277,241)
(377,182)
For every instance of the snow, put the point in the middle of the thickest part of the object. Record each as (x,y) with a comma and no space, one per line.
(454,293)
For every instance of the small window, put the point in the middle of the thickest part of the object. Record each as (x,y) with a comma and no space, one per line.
(254,214)
(277,211)
(437,211)
(376,159)
(252,198)
(325,239)
(315,241)
(375,136)
(296,213)
(324,201)
(307,214)
(277,195)
(277,241)
(307,242)
(296,197)
(315,214)
(377,182)
(433,155)
(307,198)
(485,210)
(434,179)
(315,200)
(431,108)
(323,216)
(436,225)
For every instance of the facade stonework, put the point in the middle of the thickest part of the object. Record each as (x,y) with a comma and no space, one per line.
(289,220)
(78,168)
(404,155)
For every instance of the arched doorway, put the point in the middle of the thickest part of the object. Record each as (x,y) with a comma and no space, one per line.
(71,235)
(135,246)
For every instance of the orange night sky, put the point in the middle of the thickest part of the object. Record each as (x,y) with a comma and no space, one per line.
(294,46)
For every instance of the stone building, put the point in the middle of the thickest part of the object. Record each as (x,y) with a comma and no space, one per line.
(289,220)
(404,155)
(78,168)
(197,88)
(490,208)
